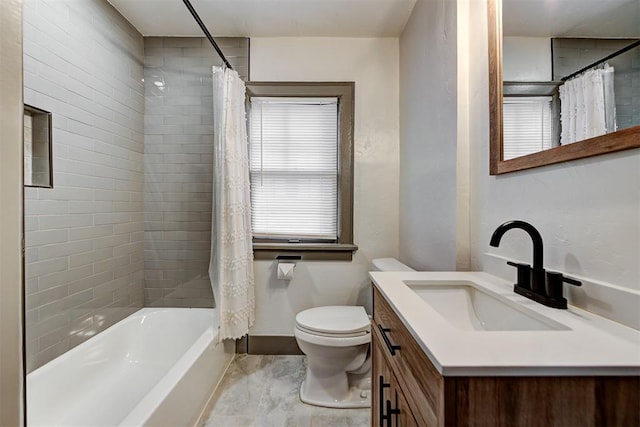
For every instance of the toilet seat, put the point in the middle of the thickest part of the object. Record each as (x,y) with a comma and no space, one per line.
(332,341)
(334,321)
(334,326)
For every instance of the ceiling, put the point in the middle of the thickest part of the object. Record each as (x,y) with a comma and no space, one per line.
(269,18)
(571,18)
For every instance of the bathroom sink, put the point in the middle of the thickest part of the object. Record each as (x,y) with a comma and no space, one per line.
(468,306)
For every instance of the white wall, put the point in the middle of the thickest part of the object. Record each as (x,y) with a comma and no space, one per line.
(428,129)
(373,65)
(588,211)
(526,59)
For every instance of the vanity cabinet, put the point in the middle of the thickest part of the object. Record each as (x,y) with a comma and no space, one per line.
(419,395)
(392,408)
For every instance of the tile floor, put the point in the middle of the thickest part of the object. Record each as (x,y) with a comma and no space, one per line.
(263,391)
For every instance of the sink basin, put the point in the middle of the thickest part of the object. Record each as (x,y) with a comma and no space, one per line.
(467,306)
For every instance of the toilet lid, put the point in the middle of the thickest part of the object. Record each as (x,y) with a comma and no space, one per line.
(335,319)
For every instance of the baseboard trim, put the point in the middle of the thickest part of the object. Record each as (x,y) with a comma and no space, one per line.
(268,345)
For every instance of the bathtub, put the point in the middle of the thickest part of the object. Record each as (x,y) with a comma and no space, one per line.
(156,367)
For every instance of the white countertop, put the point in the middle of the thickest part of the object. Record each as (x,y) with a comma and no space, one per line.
(591,345)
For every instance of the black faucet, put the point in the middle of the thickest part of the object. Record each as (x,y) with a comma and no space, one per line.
(534,282)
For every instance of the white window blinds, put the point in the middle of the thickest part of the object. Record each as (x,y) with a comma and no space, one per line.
(527,125)
(294,167)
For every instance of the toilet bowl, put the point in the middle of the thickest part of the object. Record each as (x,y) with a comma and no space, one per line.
(336,341)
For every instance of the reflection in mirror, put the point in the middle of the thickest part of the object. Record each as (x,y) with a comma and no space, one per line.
(566,78)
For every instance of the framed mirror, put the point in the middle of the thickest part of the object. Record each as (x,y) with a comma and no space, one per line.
(617,139)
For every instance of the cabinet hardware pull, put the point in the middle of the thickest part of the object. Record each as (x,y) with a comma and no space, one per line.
(392,411)
(383,385)
(392,348)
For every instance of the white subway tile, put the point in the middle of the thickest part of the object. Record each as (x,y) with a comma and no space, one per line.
(45,237)
(65,193)
(128,249)
(31,255)
(128,227)
(82,207)
(112,264)
(64,277)
(47,222)
(90,282)
(43,297)
(110,287)
(83,181)
(64,249)
(43,326)
(82,233)
(91,257)
(107,195)
(111,242)
(87,155)
(134,267)
(46,207)
(110,218)
(31,223)
(65,304)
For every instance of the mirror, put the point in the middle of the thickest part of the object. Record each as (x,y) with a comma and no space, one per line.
(521,14)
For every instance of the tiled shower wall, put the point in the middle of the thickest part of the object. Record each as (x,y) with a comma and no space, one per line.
(178,160)
(84,237)
(570,54)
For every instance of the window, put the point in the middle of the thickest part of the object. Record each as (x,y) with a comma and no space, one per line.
(530,118)
(527,125)
(301,166)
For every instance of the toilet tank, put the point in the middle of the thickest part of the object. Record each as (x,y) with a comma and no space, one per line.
(389,264)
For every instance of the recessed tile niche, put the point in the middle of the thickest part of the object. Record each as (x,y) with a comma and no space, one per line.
(37,148)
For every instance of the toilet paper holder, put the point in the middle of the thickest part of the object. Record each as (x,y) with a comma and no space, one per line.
(286,266)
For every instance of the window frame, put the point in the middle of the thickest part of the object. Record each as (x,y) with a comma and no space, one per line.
(342,249)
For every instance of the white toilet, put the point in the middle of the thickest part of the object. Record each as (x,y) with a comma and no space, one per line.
(336,341)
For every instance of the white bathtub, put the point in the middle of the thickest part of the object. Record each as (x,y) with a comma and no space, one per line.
(157,367)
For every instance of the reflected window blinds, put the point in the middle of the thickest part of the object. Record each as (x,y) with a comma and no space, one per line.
(527,125)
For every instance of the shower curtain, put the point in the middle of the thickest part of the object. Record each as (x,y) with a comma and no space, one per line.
(231,263)
(587,105)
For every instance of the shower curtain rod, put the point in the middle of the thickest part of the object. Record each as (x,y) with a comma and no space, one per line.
(207,33)
(603,60)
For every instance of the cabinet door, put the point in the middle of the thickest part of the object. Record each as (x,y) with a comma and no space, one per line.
(422,385)
(388,404)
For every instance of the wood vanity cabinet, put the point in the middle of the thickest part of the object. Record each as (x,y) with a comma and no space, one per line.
(392,406)
(409,391)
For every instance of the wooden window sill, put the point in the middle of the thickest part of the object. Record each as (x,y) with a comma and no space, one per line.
(306,251)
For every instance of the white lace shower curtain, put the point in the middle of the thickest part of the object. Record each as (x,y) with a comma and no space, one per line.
(587,105)
(231,264)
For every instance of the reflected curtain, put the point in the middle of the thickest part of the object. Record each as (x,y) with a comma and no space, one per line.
(231,263)
(587,105)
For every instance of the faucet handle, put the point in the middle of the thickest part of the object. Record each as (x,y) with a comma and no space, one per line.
(524,274)
(554,283)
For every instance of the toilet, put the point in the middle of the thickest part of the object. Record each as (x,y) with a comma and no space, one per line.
(336,341)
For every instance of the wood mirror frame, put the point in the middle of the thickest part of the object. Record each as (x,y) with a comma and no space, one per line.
(616,141)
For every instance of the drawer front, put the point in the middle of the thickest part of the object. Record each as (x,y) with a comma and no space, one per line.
(422,384)
(389,405)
